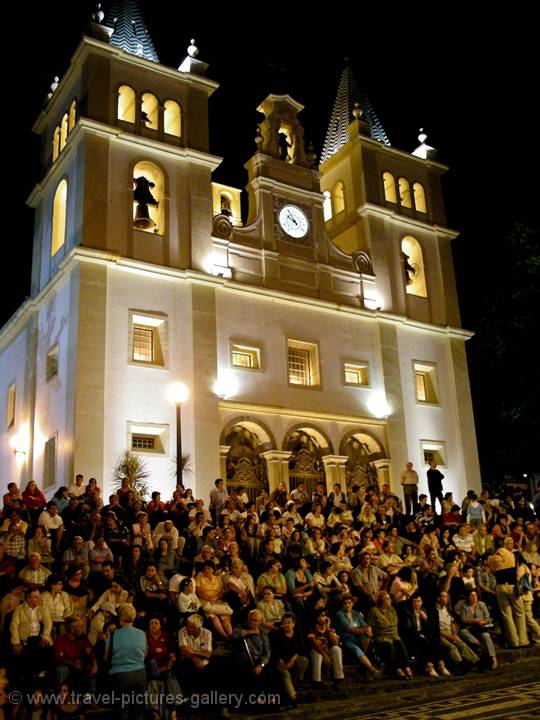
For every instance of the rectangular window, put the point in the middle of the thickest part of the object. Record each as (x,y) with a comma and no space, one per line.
(148,438)
(51,365)
(245,358)
(147,339)
(10,406)
(303,363)
(355,373)
(143,442)
(433,450)
(425,383)
(49,463)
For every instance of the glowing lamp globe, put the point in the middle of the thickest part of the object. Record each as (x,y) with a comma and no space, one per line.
(178,393)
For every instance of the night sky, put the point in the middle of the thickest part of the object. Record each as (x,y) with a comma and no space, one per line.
(468,79)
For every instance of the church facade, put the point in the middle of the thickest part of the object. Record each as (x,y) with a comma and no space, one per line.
(319,337)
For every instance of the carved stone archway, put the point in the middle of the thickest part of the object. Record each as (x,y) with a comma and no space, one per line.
(367,458)
(307,446)
(243,443)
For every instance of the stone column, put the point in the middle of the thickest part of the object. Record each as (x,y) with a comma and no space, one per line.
(277,463)
(223,450)
(383,472)
(334,466)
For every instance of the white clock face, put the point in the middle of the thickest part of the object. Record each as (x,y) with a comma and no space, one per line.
(293,221)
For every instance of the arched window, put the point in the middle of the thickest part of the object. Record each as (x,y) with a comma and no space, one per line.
(389,187)
(149,110)
(405,192)
(126,104)
(56,144)
(327,205)
(148,198)
(413,267)
(419,197)
(58,235)
(338,198)
(172,118)
(72,115)
(63,132)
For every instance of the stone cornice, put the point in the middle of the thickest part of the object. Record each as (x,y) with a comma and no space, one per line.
(83,254)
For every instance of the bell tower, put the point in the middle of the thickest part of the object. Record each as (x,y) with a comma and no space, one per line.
(129,138)
(388,203)
(126,179)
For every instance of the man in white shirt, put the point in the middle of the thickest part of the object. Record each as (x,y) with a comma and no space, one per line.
(195,644)
(76,489)
(51,519)
(463,540)
(409,483)
(166,529)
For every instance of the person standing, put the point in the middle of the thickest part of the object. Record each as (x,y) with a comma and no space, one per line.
(409,482)
(127,649)
(503,565)
(218,498)
(434,481)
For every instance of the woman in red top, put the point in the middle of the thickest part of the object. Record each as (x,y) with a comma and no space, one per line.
(160,647)
(34,501)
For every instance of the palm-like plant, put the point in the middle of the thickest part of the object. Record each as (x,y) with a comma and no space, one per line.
(133,468)
(182,468)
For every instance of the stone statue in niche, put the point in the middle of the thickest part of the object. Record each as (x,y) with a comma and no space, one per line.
(225,205)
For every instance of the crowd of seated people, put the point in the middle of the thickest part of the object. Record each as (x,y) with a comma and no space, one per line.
(295,586)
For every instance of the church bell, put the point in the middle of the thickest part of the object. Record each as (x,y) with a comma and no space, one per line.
(142,219)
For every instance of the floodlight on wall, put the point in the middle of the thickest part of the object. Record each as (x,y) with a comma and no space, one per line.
(222,271)
(378,406)
(226,386)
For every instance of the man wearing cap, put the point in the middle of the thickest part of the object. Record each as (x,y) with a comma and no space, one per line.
(165,529)
(503,565)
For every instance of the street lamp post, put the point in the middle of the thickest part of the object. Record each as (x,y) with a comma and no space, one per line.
(178,394)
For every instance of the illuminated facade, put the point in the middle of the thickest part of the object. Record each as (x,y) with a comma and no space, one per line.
(320,337)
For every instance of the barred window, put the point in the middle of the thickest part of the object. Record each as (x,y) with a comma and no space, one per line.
(139,442)
(143,344)
(303,363)
(299,370)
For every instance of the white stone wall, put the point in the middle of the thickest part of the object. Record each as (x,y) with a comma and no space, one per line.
(57,319)
(434,422)
(139,394)
(12,370)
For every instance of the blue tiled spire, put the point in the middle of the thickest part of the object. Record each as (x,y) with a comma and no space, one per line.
(347,96)
(129,29)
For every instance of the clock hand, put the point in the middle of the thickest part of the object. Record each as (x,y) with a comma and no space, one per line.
(291,217)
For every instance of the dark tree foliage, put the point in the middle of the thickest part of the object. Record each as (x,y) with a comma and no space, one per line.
(504,358)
